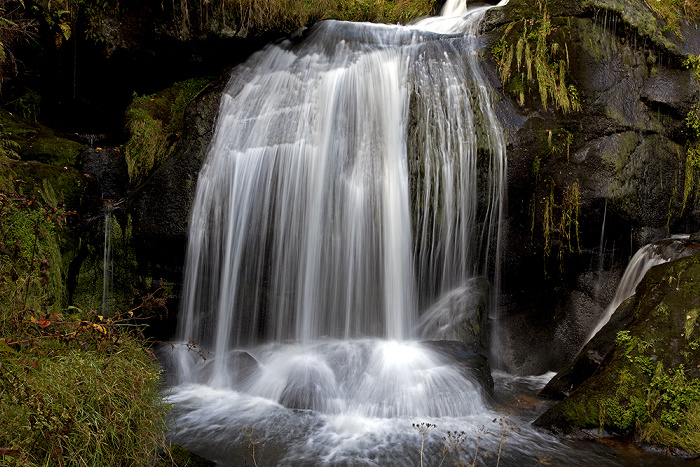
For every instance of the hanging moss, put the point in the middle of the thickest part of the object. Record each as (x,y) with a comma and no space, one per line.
(533,57)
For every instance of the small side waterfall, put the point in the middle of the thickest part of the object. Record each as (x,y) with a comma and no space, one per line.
(107,270)
(644,259)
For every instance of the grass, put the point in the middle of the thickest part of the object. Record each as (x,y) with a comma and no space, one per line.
(76,388)
(254,16)
(673,11)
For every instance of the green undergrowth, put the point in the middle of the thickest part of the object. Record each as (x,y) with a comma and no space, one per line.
(76,388)
(244,17)
(661,403)
(155,123)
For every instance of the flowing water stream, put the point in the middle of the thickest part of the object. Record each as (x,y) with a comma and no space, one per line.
(354,184)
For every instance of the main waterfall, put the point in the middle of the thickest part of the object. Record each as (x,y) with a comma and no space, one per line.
(355,181)
(352,179)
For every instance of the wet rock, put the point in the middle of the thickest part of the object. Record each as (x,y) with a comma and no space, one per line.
(460,315)
(161,206)
(474,365)
(622,156)
(631,390)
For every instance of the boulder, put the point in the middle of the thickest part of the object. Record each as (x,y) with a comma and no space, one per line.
(647,376)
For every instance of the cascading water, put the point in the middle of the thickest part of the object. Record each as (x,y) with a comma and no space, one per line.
(354,180)
(107,271)
(644,259)
(302,226)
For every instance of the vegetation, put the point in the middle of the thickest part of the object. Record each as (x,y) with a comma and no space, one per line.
(673,11)
(532,55)
(692,158)
(246,16)
(87,19)
(453,442)
(154,123)
(76,388)
(560,217)
(14,27)
(31,141)
(663,404)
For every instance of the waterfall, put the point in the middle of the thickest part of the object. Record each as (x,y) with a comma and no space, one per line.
(351,180)
(107,265)
(644,259)
(352,197)
(354,179)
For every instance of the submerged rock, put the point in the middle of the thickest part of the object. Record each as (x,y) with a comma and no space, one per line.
(474,365)
(460,315)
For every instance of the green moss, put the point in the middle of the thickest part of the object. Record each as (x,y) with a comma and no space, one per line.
(155,123)
(617,155)
(31,264)
(31,141)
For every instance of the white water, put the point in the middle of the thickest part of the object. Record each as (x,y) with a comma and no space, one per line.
(302,226)
(644,259)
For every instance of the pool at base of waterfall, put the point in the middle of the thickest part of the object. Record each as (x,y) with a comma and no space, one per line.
(368,402)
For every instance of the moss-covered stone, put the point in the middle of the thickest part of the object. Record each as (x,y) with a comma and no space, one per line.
(32,141)
(649,383)
(155,124)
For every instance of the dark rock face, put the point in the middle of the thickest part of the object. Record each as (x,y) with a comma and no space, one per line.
(619,163)
(161,206)
(591,356)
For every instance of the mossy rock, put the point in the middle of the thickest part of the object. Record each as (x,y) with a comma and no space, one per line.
(672,32)
(648,385)
(56,184)
(155,123)
(31,141)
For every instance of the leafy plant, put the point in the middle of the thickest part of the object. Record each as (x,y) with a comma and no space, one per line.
(14,27)
(663,404)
